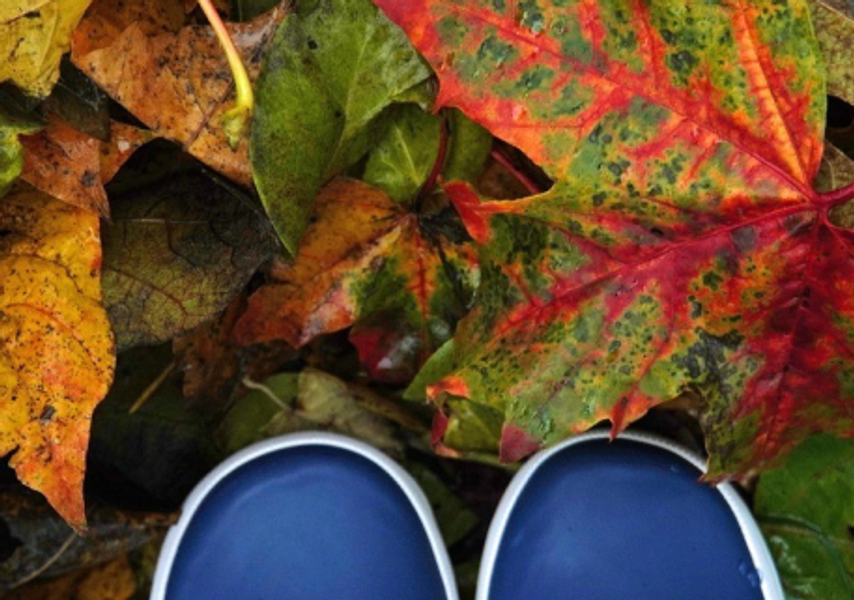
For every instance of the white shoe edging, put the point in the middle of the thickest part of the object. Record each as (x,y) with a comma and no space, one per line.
(759,553)
(310,438)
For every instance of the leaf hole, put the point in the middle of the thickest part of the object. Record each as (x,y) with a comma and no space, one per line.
(840,114)
(850,530)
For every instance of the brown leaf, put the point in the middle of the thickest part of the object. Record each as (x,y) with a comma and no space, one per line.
(114,580)
(43,546)
(180,85)
(73,167)
(105,21)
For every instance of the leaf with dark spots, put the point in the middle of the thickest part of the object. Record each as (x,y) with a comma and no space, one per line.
(178,83)
(806,511)
(319,95)
(676,247)
(73,167)
(834,28)
(44,546)
(56,347)
(175,253)
(366,262)
(33,38)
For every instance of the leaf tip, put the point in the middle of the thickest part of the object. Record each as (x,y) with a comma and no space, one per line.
(516,443)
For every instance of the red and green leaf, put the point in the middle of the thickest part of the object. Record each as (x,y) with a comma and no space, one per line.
(367,261)
(682,245)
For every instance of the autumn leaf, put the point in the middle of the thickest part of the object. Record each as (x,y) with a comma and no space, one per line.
(176,252)
(179,84)
(806,510)
(834,27)
(366,261)
(319,96)
(73,167)
(56,346)
(682,245)
(12,126)
(34,34)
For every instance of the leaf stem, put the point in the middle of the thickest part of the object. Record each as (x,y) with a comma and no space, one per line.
(528,183)
(438,164)
(235,119)
(838,196)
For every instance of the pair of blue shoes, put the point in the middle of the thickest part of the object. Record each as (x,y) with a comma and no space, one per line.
(317,516)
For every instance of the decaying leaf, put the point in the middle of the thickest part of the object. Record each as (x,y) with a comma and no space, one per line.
(318,95)
(180,84)
(176,252)
(366,260)
(73,167)
(834,27)
(313,400)
(682,245)
(43,546)
(56,347)
(806,510)
(34,34)
(114,580)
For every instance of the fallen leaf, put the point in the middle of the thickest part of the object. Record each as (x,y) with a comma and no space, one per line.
(43,546)
(56,347)
(318,95)
(149,444)
(73,167)
(106,20)
(179,85)
(367,261)
(806,511)
(34,34)
(312,400)
(176,252)
(681,247)
(213,366)
(834,27)
(114,580)
(11,150)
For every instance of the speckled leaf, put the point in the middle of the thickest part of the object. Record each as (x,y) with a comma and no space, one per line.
(73,166)
(367,261)
(682,245)
(834,28)
(177,84)
(332,69)
(34,34)
(175,254)
(56,348)
(806,510)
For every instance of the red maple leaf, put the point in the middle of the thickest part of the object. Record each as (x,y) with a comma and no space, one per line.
(682,246)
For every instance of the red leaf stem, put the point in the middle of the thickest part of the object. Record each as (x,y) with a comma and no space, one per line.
(520,175)
(837,197)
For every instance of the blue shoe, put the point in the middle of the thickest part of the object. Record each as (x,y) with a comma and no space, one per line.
(623,520)
(309,516)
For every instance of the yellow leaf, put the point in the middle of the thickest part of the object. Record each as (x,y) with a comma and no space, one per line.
(34,34)
(56,345)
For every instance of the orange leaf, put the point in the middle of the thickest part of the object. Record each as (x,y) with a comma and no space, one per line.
(73,167)
(56,346)
(180,85)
